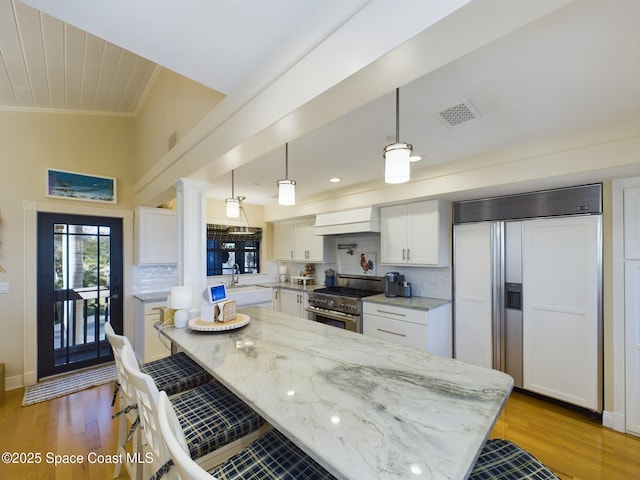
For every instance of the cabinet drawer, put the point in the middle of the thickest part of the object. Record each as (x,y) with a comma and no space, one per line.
(404,314)
(396,331)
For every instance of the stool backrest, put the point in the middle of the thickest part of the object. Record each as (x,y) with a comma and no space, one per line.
(118,342)
(175,443)
(147,398)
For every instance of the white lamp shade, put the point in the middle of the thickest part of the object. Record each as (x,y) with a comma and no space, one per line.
(396,167)
(181,297)
(233,207)
(286,192)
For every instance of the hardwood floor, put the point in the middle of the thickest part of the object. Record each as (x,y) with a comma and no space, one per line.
(568,442)
(73,425)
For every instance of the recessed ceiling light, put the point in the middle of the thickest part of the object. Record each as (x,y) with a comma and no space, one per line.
(335,180)
(415,158)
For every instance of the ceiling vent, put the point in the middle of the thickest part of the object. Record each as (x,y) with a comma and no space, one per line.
(457,114)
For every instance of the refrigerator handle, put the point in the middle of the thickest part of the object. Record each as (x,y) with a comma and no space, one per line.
(498,300)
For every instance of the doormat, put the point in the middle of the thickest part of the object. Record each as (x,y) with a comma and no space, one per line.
(59,387)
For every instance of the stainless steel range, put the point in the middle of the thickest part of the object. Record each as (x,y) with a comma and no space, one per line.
(341,306)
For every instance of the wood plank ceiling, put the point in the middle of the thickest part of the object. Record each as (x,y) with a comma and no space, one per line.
(48,64)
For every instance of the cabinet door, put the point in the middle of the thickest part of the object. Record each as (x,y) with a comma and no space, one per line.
(291,302)
(473,338)
(562,353)
(423,228)
(283,240)
(148,345)
(302,239)
(393,234)
(316,245)
(632,329)
(156,232)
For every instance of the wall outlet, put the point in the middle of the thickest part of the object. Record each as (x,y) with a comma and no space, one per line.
(4,287)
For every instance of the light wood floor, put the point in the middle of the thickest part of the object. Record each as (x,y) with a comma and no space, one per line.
(569,443)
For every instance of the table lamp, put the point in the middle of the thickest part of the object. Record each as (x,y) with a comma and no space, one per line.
(181,302)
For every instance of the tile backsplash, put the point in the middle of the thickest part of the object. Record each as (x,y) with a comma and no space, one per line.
(154,278)
(425,281)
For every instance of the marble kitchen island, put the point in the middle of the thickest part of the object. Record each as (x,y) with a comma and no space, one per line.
(362,407)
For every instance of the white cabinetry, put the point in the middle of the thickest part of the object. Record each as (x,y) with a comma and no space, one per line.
(428,330)
(631,211)
(156,236)
(415,234)
(632,316)
(148,345)
(283,240)
(562,354)
(294,241)
(293,302)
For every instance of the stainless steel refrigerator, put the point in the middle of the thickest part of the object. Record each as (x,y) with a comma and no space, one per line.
(528,290)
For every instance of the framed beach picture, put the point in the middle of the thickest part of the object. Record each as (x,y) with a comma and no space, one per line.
(79,186)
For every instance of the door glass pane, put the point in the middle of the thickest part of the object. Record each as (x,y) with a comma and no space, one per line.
(81,278)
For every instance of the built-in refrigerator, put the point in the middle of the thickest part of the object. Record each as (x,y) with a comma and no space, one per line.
(528,290)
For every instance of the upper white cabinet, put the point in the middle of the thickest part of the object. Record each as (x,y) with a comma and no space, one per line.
(156,236)
(415,233)
(294,240)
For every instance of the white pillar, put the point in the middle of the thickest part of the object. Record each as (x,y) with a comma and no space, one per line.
(192,233)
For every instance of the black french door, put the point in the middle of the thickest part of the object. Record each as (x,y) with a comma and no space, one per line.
(79,288)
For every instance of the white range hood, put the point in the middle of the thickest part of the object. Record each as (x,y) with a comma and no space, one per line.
(359,220)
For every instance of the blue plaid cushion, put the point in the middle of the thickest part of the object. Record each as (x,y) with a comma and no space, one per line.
(176,373)
(211,416)
(271,456)
(504,460)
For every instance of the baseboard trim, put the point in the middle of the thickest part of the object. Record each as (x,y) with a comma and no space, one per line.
(12,383)
(613,420)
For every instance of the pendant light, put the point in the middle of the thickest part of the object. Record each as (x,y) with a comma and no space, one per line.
(286,187)
(232,204)
(396,155)
(243,229)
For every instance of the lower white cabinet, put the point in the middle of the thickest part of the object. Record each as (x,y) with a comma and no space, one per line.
(293,302)
(148,345)
(428,330)
(632,316)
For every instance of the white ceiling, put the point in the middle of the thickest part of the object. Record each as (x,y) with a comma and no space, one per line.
(575,69)
(48,64)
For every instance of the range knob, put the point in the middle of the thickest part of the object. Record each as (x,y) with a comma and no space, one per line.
(330,303)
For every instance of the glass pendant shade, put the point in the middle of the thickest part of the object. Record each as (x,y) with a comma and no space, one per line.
(396,167)
(397,155)
(286,187)
(286,192)
(232,207)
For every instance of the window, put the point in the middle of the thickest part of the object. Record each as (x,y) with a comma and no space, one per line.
(224,250)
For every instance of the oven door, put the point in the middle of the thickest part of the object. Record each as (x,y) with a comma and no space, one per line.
(335,319)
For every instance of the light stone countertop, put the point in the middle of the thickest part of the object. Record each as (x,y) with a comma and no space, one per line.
(415,303)
(363,408)
(150,297)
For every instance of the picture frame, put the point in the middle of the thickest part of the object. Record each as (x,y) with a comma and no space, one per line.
(80,186)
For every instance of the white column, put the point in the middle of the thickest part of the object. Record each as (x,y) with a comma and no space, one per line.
(192,246)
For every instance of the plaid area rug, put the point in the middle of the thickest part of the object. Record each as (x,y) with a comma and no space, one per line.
(59,387)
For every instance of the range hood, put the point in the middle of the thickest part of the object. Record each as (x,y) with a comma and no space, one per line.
(358,220)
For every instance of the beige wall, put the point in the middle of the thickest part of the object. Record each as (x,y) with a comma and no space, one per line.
(32,142)
(173,104)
